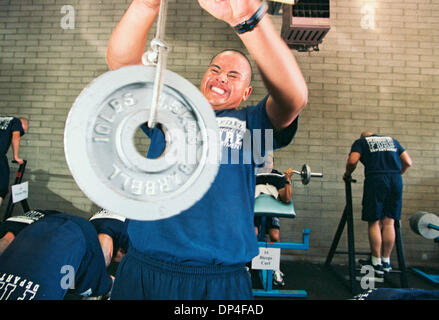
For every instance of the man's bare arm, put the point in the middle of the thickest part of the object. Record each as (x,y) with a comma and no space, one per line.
(128,40)
(406,161)
(15,143)
(276,63)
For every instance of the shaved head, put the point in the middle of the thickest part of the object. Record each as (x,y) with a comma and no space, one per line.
(240,53)
(366,134)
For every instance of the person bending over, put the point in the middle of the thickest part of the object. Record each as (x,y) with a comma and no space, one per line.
(11,130)
(51,253)
(385,161)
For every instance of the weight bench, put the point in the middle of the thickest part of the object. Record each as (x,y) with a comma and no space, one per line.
(267,206)
(426,225)
(11,204)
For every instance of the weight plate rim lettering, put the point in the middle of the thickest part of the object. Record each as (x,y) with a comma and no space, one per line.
(75,143)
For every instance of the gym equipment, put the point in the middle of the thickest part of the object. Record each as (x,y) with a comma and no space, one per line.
(306,174)
(305,24)
(429,276)
(426,225)
(99,146)
(18,179)
(267,206)
(102,157)
(347,218)
(156,56)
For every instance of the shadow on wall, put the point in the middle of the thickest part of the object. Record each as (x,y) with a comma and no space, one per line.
(43,197)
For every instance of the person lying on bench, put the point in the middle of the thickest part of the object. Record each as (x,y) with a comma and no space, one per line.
(272,182)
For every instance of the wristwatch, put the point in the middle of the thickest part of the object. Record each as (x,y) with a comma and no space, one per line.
(250,24)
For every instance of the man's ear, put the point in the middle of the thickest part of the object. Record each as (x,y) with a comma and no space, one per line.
(247,93)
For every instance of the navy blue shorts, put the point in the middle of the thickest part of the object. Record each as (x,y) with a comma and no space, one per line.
(270,223)
(382,197)
(140,277)
(3,193)
(4,176)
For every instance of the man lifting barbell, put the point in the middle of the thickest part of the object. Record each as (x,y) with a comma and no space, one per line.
(272,182)
(201,253)
(384,160)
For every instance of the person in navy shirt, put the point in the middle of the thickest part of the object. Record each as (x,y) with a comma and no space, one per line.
(384,160)
(54,253)
(12,226)
(201,253)
(11,130)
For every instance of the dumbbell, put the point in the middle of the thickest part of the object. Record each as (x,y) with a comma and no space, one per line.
(306,174)
(425,224)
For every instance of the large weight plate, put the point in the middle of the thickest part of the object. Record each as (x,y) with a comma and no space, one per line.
(419,224)
(306,174)
(101,155)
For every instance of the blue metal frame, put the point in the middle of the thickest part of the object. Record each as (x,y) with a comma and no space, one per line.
(267,275)
(431,277)
(267,206)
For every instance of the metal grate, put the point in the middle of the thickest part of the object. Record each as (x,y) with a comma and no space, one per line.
(305,24)
(302,35)
(311,9)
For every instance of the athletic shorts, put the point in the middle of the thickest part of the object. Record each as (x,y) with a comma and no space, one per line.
(382,197)
(4,176)
(3,193)
(270,223)
(140,277)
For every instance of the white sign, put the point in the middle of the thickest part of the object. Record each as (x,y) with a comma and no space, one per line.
(20,191)
(267,259)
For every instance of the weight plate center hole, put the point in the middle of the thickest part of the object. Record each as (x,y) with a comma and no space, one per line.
(142,141)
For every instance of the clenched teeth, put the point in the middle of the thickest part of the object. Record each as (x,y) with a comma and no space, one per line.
(218,90)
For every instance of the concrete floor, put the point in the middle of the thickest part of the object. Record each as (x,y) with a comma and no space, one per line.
(323,283)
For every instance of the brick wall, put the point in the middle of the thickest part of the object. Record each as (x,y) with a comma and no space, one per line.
(383,79)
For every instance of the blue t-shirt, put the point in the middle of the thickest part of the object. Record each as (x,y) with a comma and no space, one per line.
(379,154)
(218,229)
(52,255)
(7,126)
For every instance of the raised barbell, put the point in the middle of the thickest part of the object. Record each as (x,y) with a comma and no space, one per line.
(306,174)
(101,155)
(99,139)
(425,224)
